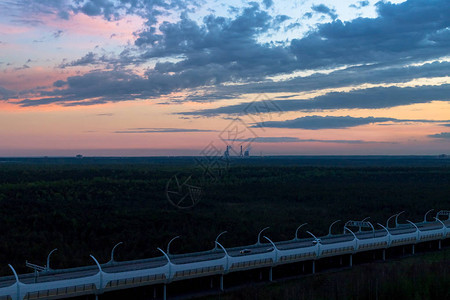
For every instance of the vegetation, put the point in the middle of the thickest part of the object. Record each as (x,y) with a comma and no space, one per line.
(85,206)
(423,277)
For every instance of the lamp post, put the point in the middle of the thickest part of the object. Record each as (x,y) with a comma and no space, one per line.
(168,261)
(259,235)
(227,257)
(113,250)
(373,229)
(17,281)
(425,217)
(444,233)
(170,242)
(388,241)
(217,239)
(418,234)
(329,228)
(396,218)
(315,238)
(387,222)
(47,267)
(298,228)
(363,220)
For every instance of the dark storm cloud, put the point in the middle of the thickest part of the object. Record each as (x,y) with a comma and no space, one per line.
(332,122)
(89,59)
(109,9)
(298,140)
(219,52)
(59,83)
(222,50)
(318,122)
(98,87)
(150,10)
(323,9)
(442,135)
(376,74)
(372,98)
(412,30)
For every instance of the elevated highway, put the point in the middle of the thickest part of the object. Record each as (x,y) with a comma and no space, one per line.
(100,278)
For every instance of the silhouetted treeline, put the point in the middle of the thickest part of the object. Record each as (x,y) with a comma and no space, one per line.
(86,208)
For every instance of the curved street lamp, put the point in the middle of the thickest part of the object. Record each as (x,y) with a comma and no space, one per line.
(226,254)
(396,217)
(222,247)
(354,235)
(170,242)
(443,225)
(315,238)
(298,228)
(113,250)
(168,261)
(47,267)
(425,217)
(387,222)
(387,230)
(274,248)
(99,269)
(329,228)
(373,229)
(417,228)
(96,262)
(355,238)
(217,238)
(259,235)
(363,220)
(15,273)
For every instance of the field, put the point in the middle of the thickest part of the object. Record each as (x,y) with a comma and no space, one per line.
(86,206)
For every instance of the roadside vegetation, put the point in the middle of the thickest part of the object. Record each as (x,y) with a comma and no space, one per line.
(423,277)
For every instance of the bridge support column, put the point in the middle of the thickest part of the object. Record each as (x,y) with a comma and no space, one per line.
(413,249)
(270,274)
(165,292)
(221,283)
(260,275)
(439,245)
(340,260)
(351,260)
(96,297)
(313,266)
(384,254)
(154,293)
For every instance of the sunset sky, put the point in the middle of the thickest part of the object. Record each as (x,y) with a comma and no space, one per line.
(162,77)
